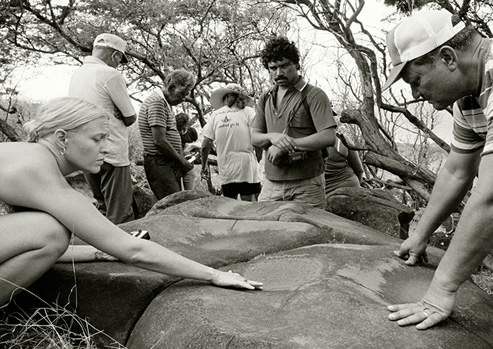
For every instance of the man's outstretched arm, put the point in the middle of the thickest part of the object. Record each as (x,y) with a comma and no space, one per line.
(472,241)
(452,184)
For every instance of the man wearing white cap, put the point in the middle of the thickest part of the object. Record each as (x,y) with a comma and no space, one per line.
(444,61)
(99,82)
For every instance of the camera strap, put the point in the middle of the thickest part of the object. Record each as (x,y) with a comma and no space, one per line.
(304,93)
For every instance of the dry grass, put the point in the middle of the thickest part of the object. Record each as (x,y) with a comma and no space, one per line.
(48,327)
(45,328)
(484,279)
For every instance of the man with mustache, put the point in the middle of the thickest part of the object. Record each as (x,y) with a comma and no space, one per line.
(293,123)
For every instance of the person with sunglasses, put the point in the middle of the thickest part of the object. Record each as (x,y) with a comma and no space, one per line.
(98,81)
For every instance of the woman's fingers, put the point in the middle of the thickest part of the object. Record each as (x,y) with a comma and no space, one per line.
(230,279)
(256,284)
(249,284)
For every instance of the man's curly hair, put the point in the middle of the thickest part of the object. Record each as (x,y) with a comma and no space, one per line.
(279,48)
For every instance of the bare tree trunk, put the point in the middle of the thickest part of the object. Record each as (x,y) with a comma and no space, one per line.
(382,152)
(404,169)
(7,130)
(419,124)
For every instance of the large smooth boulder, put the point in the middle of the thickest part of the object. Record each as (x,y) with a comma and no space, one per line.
(375,208)
(219,232)
(317,297)
(113,295)
(343,230)
(175,199)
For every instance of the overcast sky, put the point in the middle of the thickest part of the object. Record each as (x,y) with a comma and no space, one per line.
(52,81)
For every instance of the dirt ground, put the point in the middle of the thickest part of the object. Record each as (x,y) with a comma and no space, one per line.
(484,279)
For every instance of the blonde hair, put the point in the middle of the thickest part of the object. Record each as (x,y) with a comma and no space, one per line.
(65,113)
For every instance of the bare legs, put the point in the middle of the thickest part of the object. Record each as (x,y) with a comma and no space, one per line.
(31,242)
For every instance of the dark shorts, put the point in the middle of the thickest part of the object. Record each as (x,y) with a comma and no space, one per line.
(112,188)
(231,190)
(162,175)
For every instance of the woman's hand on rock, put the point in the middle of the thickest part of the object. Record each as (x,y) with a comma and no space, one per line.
(230,279)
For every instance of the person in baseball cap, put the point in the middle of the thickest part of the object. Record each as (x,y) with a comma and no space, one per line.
(112,41)
(99,82)
(446,62)
(416,36)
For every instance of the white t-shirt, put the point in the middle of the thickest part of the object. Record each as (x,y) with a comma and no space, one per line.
(104,86)
(230,128)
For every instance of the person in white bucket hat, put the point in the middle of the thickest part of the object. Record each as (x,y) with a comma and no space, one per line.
(217,96)
(446,62)
(230,127)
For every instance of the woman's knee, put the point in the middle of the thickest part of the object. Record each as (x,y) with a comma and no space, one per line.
(54,236)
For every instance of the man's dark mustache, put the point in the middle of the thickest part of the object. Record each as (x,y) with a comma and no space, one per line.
(280,78)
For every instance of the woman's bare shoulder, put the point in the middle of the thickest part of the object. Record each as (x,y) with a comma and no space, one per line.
(24,155)
(26,166)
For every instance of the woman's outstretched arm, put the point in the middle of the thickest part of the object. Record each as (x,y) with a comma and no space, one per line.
(42,187)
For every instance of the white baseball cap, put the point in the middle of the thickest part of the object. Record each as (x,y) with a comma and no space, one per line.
(416,36)
(112,41)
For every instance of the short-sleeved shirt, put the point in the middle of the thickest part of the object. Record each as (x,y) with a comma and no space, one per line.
(473,116)
(155,111)
(191,136)
(236,158)
(338,171)
(303,123)
(104,86)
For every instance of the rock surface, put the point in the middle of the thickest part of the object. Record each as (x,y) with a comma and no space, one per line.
(175,199)
(317,297)
(346,285)
(114,295)
(375,208)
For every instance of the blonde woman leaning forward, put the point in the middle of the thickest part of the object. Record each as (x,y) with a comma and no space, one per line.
(68,135)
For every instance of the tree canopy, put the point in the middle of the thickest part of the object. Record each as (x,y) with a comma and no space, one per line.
(219,41)
(371,109)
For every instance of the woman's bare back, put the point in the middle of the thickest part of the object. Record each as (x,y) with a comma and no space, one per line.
(23,165)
